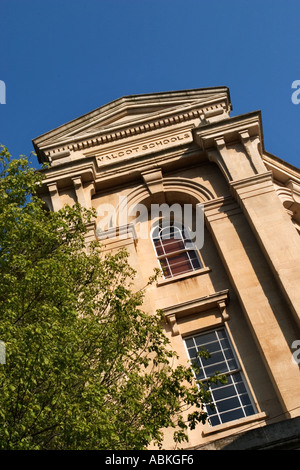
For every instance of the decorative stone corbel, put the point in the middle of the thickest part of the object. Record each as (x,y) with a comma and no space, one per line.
(222,308)
(171,319)
(154,181)
(251,148)
(295,190)
(79,190)
(54,195)
(289,194)
(286,197)
(91,190)
(220,157)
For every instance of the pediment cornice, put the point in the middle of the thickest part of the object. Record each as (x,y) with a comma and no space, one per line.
(132,116)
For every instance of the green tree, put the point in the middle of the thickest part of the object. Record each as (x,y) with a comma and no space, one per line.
(85,367)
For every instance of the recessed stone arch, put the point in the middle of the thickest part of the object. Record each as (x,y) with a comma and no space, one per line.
(182,199)
(175,190)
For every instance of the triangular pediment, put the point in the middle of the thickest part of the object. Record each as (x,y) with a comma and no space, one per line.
(126,111)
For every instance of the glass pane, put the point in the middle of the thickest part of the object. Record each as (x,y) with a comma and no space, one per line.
(220,368)
(173,245)
(215,358)
(245,399)
(225,391)
(232,364)
(200,374)
(225,343)
(179,264)
(228,404)
(240,387)
(192,352)
(189,342)
(158,247)
(231,415)
(222,334)
(193,255)
(201,340)
(185,233)
(214,420)
(196,263)
(228,354)
(189,245)
(170,232)
(249,410)
(212,347)
(165,268)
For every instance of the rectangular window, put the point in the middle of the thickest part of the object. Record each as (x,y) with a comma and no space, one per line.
(232,400)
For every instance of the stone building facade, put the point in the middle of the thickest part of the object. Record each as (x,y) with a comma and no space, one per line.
(234,290)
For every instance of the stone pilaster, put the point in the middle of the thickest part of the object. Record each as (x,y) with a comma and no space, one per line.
(262,303)
(275,233)
(236,146)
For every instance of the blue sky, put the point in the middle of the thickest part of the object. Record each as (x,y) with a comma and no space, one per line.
(62,59)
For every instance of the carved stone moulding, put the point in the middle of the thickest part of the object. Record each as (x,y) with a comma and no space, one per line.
(203,305)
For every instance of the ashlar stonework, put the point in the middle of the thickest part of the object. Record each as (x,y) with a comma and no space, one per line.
(239,292)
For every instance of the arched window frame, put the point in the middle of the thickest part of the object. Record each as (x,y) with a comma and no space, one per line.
(177,254)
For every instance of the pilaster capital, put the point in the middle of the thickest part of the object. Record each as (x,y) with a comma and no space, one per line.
(235,145)
(221,207)
(252,186)
(230,130)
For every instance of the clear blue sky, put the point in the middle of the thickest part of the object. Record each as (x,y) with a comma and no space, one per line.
(60,59)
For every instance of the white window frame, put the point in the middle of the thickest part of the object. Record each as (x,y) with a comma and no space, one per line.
(187,249)
(230,373)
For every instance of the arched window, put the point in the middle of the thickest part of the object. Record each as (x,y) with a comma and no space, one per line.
(175,249)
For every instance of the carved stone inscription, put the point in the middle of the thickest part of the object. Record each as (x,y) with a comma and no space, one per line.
(146,147)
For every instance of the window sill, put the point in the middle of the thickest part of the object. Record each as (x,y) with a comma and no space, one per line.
(183,277)
(234,424)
